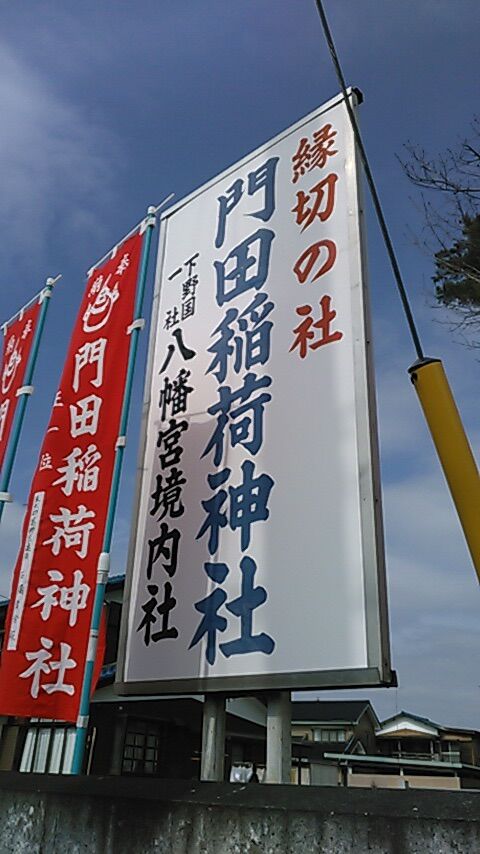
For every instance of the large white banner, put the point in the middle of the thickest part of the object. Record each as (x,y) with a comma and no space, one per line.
(257,558)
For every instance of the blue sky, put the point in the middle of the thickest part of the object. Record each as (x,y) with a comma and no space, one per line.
(110,106)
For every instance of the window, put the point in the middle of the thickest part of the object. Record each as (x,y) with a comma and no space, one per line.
(450,752)
(330,735)
(47,748)
(141,747)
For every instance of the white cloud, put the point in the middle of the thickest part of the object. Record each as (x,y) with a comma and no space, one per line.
(433,589)
(434,598)
(434,595)
(54,161)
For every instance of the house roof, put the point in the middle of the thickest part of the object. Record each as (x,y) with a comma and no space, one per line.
(421,720)
(330,711)
(404,724)
(404,714)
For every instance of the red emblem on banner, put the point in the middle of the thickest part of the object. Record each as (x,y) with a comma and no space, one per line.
(19,337)
(49,615)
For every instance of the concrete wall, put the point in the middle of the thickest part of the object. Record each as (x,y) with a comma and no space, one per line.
(53,815)
(325,774)
(399,781)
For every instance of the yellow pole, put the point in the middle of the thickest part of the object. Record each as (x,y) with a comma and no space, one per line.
(458,462)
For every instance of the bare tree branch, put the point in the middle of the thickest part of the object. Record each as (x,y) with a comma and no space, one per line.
(450,202)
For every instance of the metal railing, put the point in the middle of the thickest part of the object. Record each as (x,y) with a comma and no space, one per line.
(449,756)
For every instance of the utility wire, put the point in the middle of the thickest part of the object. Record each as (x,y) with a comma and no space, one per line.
(371,183)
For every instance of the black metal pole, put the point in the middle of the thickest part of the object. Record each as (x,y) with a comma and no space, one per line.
(371,183)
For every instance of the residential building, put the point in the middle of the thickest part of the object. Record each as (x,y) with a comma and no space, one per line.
(414,752)
(334,742)
(319,726)
(409,736)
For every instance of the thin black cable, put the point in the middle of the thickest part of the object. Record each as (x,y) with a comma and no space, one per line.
(371,184)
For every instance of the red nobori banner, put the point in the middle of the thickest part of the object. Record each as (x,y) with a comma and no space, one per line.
(49,615)
(19,337)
